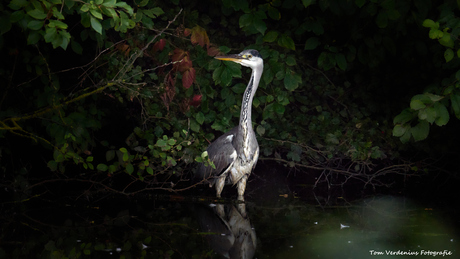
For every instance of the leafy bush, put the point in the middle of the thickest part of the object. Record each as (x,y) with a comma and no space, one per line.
(151,98)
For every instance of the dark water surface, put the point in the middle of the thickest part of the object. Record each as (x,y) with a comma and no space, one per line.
(280,219)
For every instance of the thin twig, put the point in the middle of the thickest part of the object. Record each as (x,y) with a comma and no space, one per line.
(136,55)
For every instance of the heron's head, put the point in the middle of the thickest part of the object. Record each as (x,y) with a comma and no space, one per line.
(248,58)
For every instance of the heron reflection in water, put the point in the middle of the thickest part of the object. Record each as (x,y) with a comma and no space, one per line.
(235,153)
(228,229)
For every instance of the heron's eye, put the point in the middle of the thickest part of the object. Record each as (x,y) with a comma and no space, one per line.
(249,56)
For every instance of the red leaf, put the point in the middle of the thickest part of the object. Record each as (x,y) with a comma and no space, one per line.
(124,48)
(159,45)
(199,36)
(188,77)
(196,100)
(178,54)
(187,32)
(185,65)
(213,51)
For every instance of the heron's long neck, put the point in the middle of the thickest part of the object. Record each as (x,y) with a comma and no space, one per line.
(246,105)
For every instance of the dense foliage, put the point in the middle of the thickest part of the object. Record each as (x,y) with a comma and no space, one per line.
(109,88)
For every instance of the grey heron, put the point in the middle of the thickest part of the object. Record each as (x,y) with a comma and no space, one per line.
(235,153)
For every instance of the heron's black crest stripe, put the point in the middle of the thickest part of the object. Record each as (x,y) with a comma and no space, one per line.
(254,53)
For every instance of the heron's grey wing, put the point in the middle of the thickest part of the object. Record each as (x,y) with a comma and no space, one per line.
(222,154)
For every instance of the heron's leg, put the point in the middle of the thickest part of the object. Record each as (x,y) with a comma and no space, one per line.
(220,210)
(242,187)
(242,210)
(220,185)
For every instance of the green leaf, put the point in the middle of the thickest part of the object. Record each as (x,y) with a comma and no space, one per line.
(50,34)
(420,131)
(270,98)
(194,125)
(270,36)
(217,74)
(33,37)
(84,8)
(65,39)
(292,81)
(109,12)
(400,130)
(239,88)
(111,3)
(35,25)
(416,104)
(223,74)
(326,60)
(149,170)
(307,3)
(274,13)
(245,20)
(290,61)
(341,61)
(102,167)
(109,155)
(260,130)
(129,168)
(286,42)
(157,11)
(447,41)
(16,16)
(455,100)
(57,14)
(256,102)
(448,54)
(406,137)
(403,117)
(124,5)
(200,118)
(96,25)
(260,26)
(58,24)
(225,77)
(430,24)
(311,43)
(171,142)
(125,157)
(435,34)
(143,3)
(76,47)
(96,13)
(52,165)
(233,68)
(18,4)
(428,114)
(37,14)
(442,114)
(434,97)
(279,108)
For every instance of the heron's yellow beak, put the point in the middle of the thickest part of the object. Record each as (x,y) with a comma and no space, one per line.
(235,58)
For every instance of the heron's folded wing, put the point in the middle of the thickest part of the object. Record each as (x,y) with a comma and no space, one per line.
(222,154)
